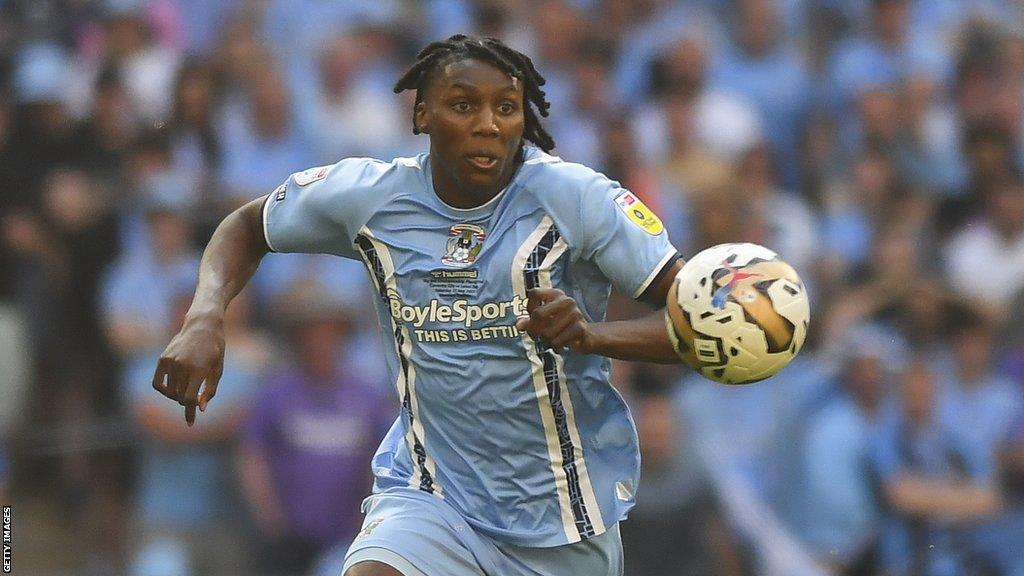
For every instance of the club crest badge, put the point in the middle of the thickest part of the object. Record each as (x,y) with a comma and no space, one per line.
(463,245)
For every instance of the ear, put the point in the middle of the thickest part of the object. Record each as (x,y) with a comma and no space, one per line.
(420,118)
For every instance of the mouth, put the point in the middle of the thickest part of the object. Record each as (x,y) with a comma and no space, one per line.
(483,161)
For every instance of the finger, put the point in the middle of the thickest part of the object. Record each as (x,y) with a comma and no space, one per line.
(177,382)
(559,324)
(537,296)
(195,380)
(190,414)
(160,378)
(545,321)
(553,309)
(569,337)
(532,328)
(210,387)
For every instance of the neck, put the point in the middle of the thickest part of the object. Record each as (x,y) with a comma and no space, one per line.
(463,199)
(454,194)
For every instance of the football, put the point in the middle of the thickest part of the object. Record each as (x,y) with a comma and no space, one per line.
(737,313)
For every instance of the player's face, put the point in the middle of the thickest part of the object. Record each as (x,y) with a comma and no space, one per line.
(473,113)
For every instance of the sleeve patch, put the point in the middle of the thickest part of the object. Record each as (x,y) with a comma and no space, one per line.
(307,177)
(639,213)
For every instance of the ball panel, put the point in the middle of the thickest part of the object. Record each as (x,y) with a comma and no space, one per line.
(680,331)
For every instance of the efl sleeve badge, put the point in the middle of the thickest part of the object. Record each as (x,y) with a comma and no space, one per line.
(639,213)
(307,177)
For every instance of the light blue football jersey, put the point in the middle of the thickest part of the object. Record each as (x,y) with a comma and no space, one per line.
(531,447)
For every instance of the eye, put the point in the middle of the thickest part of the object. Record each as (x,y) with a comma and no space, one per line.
(461,106)
(506,108)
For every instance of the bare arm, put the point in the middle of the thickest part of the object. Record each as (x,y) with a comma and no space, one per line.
(231,258)
(557,320)
(257,484)
(913,495)
(196,354)
(156,422)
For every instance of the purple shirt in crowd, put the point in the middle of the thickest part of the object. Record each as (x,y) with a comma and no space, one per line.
(319,439)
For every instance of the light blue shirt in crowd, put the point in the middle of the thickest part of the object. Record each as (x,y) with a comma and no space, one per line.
(837,461)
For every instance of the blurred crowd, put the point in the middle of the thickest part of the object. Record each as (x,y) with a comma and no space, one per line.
(876,145)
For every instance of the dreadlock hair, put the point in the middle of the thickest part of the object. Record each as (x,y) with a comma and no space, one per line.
(516,64)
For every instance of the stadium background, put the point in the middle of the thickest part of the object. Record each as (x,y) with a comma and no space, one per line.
(875,144)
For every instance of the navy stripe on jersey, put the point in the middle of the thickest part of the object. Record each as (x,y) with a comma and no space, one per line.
(531,274)
(377,268)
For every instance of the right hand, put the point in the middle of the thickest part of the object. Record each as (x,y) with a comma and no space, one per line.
(194,356)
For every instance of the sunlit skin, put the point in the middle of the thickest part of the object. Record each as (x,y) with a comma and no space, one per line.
(473,113)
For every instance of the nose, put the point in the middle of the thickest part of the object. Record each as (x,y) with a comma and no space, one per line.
(486,123)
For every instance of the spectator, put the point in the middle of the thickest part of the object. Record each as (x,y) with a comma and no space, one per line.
(724,122)
(928,150)
(307,439)
(793,226)
(263,144)
(985,258)
(888,53)
(760,65)
(988,150)
(934,486)
(62,251)
(644,30)
(856,209)
(578,130)
(194,143)
(976,400)
(150,178)
(299,29)
(557,38)
(130,48)
(689,166)
(895,272)
(347,94)
(142,287)
(677,526)
(999,537)
(923,318)
(721,213)
(43,127)
(202,23)
(188,523)
(105,137)
(841,526)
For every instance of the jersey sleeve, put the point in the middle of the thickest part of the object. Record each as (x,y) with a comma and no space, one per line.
(623,237)
(320,210)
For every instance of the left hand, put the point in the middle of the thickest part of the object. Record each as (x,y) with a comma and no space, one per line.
(556,321)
